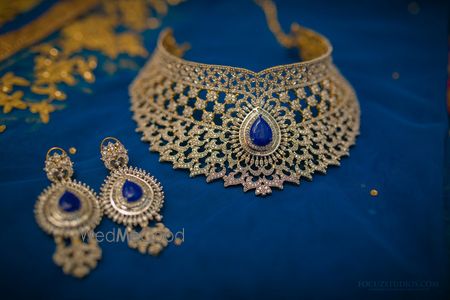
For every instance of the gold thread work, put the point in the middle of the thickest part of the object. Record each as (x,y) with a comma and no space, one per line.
(61,62)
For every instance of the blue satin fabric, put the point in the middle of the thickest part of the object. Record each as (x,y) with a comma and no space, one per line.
(323,239)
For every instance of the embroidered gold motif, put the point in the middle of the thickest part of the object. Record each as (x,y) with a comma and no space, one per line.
(11,100)
(111,30)
(10,9)
(56,17)
(42,108)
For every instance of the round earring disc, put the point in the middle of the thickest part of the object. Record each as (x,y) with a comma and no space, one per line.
(131,197)
(67,208)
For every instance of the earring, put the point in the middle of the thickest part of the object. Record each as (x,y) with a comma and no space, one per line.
(132,197)
(69,210)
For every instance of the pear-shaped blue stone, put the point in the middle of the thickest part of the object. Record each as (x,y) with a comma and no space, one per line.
(260,132)
(131,191)
(69,202)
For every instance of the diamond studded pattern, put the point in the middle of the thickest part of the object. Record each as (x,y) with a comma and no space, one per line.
(199,125)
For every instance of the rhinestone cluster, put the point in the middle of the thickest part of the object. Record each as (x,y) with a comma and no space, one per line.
(58,167)
(114,155)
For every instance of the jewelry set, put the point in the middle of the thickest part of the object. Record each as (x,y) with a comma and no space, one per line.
(255,129)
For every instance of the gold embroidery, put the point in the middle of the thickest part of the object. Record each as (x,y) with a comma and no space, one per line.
(13,101)
(58,63)
(58,15)
(9,80)
(10,100)
(10,9)
(53,67)
(42,108)
(97,33)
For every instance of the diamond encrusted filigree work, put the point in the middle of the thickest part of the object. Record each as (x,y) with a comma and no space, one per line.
(257,130)
(69,210)
(114,155)
(58,167)
(86,255)
(151,240)
(54,219)
(132,197)
(139,211)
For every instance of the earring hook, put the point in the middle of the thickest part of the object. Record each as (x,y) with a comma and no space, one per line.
(52,149)
(114,155)
(58,168)
(108,138)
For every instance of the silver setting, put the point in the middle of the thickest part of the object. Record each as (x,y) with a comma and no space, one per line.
(58,166)
(55,221)
(244,133)
(137,213)
(194,116)
(114,154)
(77,256)
(151,240)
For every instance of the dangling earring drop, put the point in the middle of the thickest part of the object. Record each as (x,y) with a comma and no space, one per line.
(69,210)
(132,197)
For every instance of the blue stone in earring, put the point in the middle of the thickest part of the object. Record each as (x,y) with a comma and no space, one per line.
(69,202)
(132,197)
(69,210)
(131,191)
(260,132)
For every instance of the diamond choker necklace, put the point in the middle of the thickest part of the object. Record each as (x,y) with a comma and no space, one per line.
(255,129)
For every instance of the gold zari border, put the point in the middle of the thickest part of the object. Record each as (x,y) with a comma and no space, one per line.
(57,16)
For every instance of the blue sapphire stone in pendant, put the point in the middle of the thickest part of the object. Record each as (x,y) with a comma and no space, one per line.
(69,202)
(131,191)
(260,132)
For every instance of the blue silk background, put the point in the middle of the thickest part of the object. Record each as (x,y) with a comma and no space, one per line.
(323,239)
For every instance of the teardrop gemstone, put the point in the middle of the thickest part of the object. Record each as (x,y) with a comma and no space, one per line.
(69,202)
(131,191)
(260,132)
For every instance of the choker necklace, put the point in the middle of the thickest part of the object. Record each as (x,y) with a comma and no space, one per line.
(255,129)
